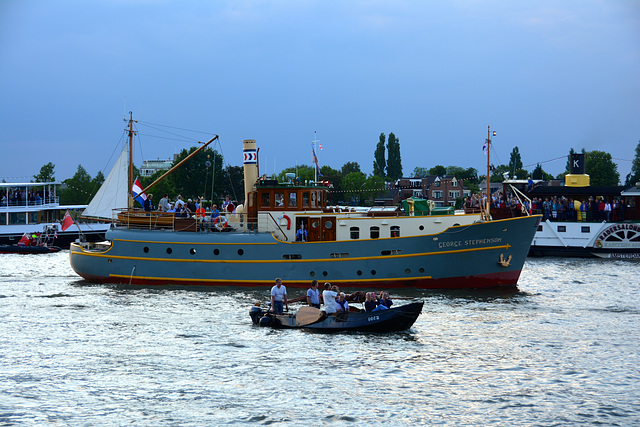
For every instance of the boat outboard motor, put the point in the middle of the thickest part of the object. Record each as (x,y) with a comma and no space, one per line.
(265,321)
(255,312)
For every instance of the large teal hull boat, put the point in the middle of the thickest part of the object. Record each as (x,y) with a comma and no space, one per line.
(368,248)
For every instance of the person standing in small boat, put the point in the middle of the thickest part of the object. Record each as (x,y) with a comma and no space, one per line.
(329,298)
(313,295)
(278,297)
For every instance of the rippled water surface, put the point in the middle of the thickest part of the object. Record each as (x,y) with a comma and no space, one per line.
(561,350)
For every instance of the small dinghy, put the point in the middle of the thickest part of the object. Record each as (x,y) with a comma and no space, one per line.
(394,319)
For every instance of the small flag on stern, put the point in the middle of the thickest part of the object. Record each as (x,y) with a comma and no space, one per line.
(138,195)
(67,221)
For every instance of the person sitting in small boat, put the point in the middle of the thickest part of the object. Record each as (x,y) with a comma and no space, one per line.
(329,298)
(370,302)
(385,300)
(342,305)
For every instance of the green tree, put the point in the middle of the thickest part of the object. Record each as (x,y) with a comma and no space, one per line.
(539,173)
(634,176)
(601,169)
(350,167)
(233,183)
(46,174)
(394,162)
(438,170)
(353,185)
(379,163)
(419,172)
(304,172)
(160,189)
(77,189)
(335,178)
(194,178)
(515,162)
(375,187)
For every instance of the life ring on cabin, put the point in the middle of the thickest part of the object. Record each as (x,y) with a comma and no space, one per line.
(288,221)
(220,222)
(598,243)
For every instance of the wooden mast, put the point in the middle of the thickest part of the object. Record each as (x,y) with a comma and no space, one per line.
(131,133)
(488,203)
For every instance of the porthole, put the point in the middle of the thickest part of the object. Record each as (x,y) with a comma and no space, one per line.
(146,249)
(407,270)
(505,229)
(240,252)
(109,261)
(373,272)
(328,224)
(435,239)
(421,227)
(421,270)
(325,274)
(359,272)
(312,273)
(216,251)
(169,250)
(192,251)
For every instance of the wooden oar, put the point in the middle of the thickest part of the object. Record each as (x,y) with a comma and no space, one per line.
(307,315)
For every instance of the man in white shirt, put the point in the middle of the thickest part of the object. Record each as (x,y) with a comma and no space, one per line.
(278,297)
(329,298)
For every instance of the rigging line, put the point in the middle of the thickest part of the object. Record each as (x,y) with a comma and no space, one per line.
(170,133)
(171,139)
(546,161)
(173,127)
(139,146)
(116,149)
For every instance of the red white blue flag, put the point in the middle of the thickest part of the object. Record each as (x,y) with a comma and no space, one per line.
(314,159)
(138,195)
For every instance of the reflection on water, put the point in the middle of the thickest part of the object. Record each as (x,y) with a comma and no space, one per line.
(562,348)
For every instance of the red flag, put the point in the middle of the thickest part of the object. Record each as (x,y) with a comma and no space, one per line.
(67,221)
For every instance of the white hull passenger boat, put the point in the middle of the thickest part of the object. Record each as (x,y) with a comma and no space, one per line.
(28,214)
(573,224)
(364,248)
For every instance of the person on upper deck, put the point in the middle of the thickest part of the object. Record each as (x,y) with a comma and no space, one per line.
(148,205)
(215,213)
(164,204)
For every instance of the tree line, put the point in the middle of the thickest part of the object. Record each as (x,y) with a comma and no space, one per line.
(206,177)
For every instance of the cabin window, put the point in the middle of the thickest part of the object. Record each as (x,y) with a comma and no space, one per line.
(355,233)
(395,231)
(391,252)
(562,229)
(3,218)
(540,227)
(585,229)
(374,232)
(266,200)
(292,256)
(33,217)
(313,199)
(17,218)
(305,199)
(279,199)
(293,200)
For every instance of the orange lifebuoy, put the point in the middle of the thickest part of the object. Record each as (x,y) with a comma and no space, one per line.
(288,221)
(220,222)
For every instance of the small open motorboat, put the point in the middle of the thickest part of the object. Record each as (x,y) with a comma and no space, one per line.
(15,249)
(394,319)
(40,243)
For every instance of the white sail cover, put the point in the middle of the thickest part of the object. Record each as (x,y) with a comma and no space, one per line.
(113,193)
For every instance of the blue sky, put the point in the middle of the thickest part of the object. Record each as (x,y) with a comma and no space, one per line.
(547,76)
